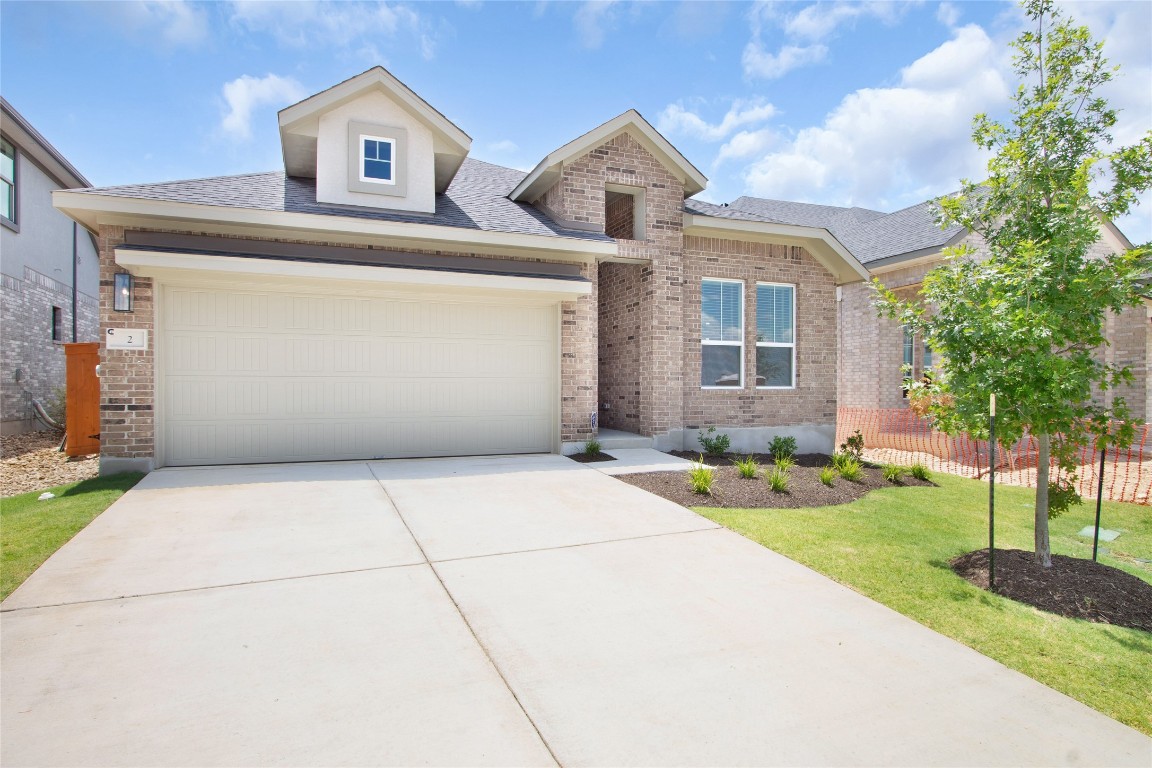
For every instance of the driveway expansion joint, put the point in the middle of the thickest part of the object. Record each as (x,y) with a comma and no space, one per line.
(471,630)
(212,586)
(575,546)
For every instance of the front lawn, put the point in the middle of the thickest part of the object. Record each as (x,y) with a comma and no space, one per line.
(31,530)
(894,545)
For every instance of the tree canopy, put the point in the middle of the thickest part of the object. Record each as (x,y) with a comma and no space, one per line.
(1019,308)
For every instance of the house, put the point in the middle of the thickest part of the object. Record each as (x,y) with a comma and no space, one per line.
(899,249)
(385,295)
(48,272)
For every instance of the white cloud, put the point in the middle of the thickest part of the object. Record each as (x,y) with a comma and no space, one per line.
(592,20)
(807,30)
(760,63)
(948,14)
(171,22)
(746,144)
(246,94)
(677,120)
(355,26)
(889,147)
(504,147)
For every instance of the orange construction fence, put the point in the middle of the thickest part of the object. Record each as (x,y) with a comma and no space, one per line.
(899,436)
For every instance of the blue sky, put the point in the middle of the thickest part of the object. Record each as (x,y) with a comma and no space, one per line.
(841,103)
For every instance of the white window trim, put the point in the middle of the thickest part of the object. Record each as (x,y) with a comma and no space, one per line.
(383,139)
(777,344)
(709,343)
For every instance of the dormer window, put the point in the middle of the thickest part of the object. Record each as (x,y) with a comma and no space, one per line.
(377,162)
(377,159)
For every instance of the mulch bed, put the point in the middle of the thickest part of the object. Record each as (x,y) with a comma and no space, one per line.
(588,458)
(731,490)
(1072,587)
(31,462)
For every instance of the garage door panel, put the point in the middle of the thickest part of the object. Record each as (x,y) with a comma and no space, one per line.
(276,376)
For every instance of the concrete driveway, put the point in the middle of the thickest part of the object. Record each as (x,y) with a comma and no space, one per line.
(491,611)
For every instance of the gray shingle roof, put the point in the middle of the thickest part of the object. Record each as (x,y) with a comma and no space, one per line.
(476,199)
(869,235)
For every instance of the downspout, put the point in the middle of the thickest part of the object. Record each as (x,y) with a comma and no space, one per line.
(74,271)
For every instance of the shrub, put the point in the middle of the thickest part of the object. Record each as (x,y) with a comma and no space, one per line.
(892,472)
(747,468)
(592,447)
(920,472)
(714,444)
(782,447)
(840,459)
(777,480)
(828,476)
(851,470)
(700,477)
(785,463)
(854,446)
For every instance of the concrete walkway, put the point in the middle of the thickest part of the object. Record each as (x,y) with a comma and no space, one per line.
(493,611)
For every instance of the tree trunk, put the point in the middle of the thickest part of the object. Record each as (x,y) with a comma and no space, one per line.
(1043,466)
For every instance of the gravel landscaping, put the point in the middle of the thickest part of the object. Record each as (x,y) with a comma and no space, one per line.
(31,462)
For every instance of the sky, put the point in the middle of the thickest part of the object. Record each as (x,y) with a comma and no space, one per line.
(840,103)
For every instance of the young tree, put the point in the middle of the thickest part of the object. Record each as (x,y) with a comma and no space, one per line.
(1025,319)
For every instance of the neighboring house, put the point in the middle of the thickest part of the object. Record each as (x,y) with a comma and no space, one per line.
(48,272)
(387,296)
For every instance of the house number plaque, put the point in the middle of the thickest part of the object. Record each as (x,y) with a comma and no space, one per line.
(127,338)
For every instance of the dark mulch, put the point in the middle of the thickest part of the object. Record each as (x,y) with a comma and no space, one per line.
(731,490)
(1072,587)
(588,458)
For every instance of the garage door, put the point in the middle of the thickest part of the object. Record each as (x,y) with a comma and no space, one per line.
(265,376)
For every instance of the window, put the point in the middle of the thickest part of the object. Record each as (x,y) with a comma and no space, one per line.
(722,334)
(7,180)
(775,336)
(57,324)
(909,359)
(378,157)
(927,362)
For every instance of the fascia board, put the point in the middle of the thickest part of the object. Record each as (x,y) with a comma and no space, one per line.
(165,264)
(536,182)
(299,114)
(825,248)
(91,209)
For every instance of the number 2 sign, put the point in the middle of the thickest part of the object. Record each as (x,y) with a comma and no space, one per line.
(127,338)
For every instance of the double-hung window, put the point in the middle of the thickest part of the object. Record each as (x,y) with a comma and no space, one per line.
(378,160)
(722,334)
(775,336)
(7,181)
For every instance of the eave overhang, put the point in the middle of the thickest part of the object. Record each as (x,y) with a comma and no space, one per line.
(166,265)
(826,249)
(91,210)
(545,175)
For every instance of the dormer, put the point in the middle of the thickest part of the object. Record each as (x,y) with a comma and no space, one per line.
(372,142)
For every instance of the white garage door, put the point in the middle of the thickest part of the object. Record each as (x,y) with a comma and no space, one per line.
(264,376)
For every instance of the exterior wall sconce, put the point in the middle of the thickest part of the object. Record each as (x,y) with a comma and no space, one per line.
(122,301)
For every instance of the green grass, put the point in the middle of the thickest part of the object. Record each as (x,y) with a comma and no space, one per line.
(894,545)
(31,530)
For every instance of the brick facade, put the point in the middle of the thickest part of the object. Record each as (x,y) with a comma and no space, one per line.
(870,368)
(28,347)
(813,400)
